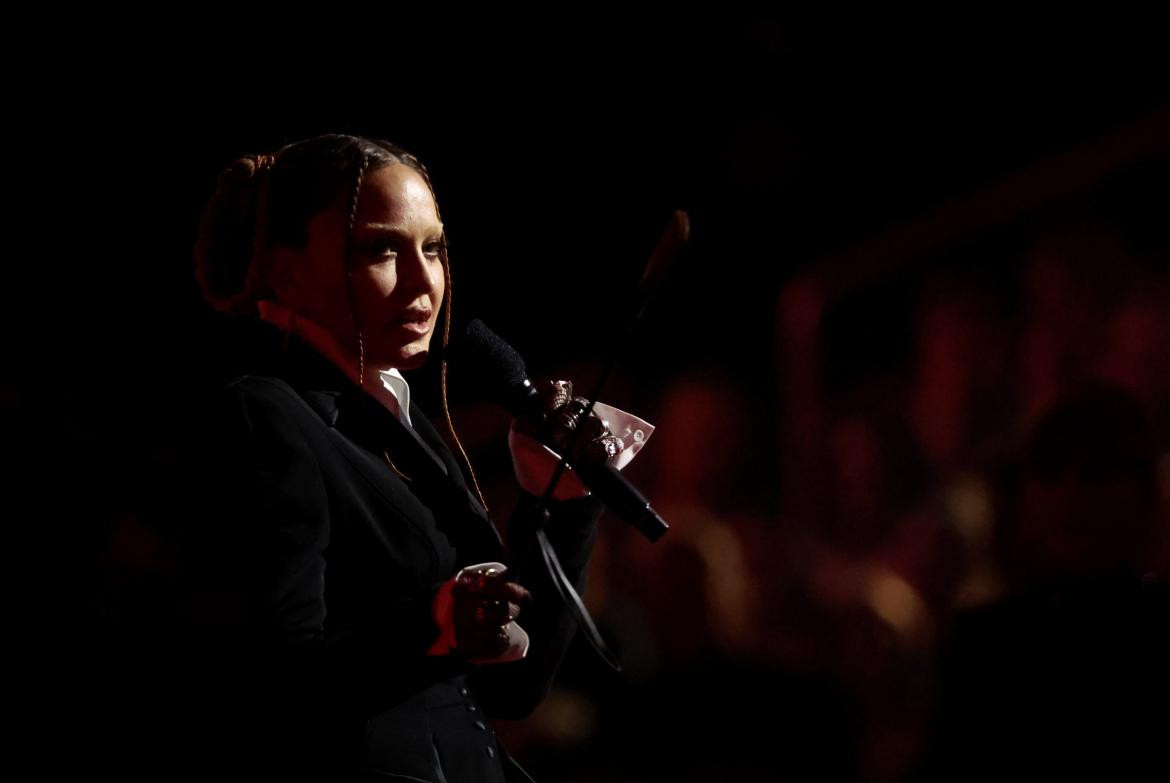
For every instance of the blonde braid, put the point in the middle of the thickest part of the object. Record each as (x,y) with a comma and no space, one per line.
(443,386)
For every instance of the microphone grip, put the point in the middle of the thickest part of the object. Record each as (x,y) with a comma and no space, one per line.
(622,498)
(525,400)
(604,480)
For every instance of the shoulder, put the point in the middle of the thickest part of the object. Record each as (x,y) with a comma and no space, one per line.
(263,395)
(260,388)
(259,409)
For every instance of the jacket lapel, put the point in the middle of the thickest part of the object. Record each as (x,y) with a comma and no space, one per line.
(428,433)
(430,475)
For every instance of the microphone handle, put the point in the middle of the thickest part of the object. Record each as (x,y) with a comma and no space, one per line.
(622,497)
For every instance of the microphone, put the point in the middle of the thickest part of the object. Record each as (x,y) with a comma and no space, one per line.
(503,379)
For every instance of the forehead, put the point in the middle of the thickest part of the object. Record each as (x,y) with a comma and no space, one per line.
(396,195)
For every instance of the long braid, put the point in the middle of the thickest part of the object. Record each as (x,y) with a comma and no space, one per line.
(349,259)
(443,388)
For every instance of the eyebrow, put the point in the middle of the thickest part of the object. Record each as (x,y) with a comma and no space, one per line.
(386,228)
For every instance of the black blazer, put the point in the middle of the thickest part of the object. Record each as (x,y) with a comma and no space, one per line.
(320,528)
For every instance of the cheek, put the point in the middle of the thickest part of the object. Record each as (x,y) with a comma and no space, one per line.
(375,283)
(321,296)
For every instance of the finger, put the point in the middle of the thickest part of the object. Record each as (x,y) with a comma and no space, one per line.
(490,587)
(505,612)
(566,420)
(593,427)
(603,449)
(474,578)
(496,613)
(502,590)
(593,430)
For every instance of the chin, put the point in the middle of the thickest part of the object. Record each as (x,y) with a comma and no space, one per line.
(413,361)
(405,357)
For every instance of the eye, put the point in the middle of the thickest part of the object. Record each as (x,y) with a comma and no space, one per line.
(382,248)
(434,248)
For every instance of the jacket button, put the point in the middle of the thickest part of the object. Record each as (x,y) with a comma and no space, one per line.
(491,752)
(463,691)
(480,725)
(471,708)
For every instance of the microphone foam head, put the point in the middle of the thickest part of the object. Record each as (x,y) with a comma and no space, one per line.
(497,368)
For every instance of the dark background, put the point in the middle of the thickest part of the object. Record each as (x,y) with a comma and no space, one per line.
(872,162)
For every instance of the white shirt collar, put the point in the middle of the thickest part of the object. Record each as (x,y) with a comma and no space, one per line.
(385,384)
(396,386)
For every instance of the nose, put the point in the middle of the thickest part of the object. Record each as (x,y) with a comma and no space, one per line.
(418,272)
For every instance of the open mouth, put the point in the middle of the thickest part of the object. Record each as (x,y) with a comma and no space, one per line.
(417,321)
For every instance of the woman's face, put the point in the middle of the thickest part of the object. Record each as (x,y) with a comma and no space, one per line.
(397,269)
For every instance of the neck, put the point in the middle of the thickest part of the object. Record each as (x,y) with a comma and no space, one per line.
(319,338)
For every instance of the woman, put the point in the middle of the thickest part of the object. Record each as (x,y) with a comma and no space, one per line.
(355,615)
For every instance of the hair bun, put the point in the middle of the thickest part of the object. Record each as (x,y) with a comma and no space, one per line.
(225,247)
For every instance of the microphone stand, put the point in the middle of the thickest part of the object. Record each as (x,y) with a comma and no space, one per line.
(665,252)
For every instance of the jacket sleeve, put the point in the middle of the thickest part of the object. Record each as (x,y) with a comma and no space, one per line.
(513,690)
(273,685)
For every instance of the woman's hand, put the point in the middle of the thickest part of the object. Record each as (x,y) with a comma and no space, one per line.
(563,415)
(536,455)
(476,612)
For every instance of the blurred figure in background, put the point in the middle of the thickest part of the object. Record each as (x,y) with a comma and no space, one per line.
(1068,674)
